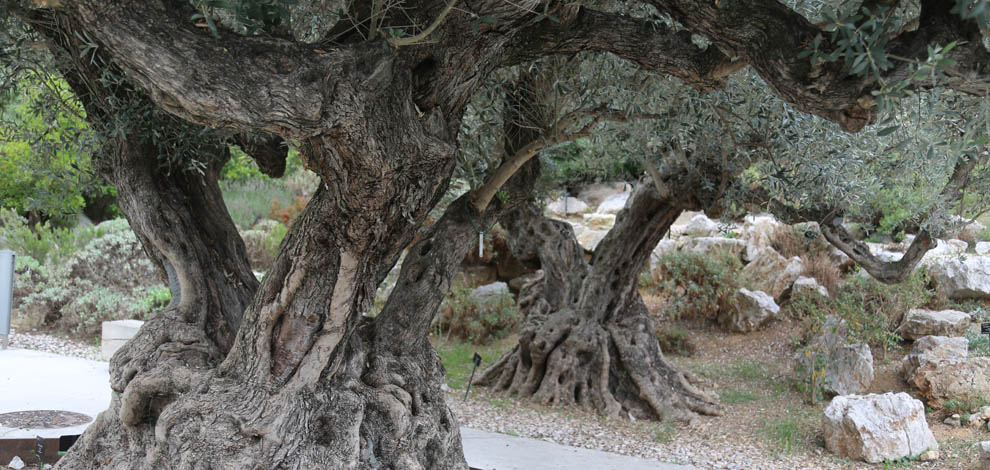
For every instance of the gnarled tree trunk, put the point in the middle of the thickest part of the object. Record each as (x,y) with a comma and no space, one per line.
(587,338)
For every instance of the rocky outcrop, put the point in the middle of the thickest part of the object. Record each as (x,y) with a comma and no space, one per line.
(589,239)
(712,246)
(849,369)
(613,204)
(598,221)
(933,349)
(701,226)
(919,322)
(747,310)
(758,231)
(566,206)
(965,277)
(953,380)
(772,273)
(983,248)
(874,428)
(808,286)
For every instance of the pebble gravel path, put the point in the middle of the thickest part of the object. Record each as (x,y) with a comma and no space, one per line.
(38,341)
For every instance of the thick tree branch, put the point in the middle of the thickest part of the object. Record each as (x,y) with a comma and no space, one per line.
(269,152)
(231,81)
(654,47)
(769,36)
(890,272)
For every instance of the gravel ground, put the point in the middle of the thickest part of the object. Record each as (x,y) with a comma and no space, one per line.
(698,444)
(38,341)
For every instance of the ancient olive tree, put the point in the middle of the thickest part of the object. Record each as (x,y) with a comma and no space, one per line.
(373,94)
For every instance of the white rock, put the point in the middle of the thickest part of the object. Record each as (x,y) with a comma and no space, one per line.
(944,249)
(963,277)
(933,349)
(482,293)
(594,194)
(920,322)
(115,334)
(589,239)
(712,245)
(701,226)
(758,231)
(748,310)
(564,207)
(808,285)
(16,463)
(970,230)
(849,369)
(598,221)
(984,448)
(961,380)
(613,204)
(773,273)
(664,247)
(875,428)
(983,248)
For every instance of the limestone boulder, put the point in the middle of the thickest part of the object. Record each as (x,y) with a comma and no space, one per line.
(966,277)
(758,231)
(747,310)
(590,238)
(849,369)
(483,293)
(613,203)
(933,349)
(920,322)
(983,248)
(961,380)
(712,246)
(598,221)
(664,247)
(594,194)
(701,226)
(874,428)
(566,206)
(772,273)
(808,286)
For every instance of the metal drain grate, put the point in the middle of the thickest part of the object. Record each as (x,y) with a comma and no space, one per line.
(43,419)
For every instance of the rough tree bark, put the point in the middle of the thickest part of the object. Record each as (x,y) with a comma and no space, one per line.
(308,381)
(587,339)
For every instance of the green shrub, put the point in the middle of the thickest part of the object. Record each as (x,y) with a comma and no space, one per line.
(694,284)
(43,242)
(979,345)
(108,279)
(871,309)
(249,201)
(481,322)
(675,340)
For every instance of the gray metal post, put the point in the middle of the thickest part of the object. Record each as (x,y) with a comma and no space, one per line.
(6,294)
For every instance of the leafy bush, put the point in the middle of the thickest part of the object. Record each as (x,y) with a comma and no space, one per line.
(43,242)
(477,321)
(249,201)
(675,340)
(108,279)
(694,284)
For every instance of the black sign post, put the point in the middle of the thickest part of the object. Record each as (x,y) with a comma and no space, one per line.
(39,450)
(477,362)
(985,328)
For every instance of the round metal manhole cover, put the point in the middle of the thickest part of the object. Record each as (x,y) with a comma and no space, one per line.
(43,419)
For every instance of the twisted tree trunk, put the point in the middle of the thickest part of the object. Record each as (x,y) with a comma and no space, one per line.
(587,338)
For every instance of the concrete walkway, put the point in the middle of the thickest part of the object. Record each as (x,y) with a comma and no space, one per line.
(33,380)
(491,451)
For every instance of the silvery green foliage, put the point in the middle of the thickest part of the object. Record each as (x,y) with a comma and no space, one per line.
(106,280)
